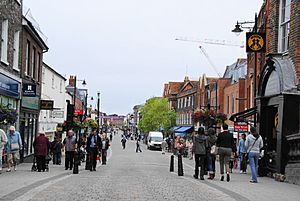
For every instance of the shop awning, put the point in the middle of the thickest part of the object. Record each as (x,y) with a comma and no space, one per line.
(180,134)
(183,129)
(174,128)
(244,114)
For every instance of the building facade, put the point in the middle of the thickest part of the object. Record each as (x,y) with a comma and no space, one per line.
(10,62)
(53,89)
(33,48)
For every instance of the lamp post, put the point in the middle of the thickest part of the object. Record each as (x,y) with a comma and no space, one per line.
(76,162)
(98,112)
(238,29)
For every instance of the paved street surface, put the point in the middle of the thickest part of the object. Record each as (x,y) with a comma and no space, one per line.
(136,176)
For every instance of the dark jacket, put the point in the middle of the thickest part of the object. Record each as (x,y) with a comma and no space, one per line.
(41,145)
(98,143)
(225,139)
(200,144)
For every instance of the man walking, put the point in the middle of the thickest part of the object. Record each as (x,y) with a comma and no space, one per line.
(70,143)
(104,147)
(242,153)
(3,141)
(13,147)
(226,145)
(93,145)
(138,146)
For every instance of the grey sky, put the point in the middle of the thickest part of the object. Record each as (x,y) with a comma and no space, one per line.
(126,49)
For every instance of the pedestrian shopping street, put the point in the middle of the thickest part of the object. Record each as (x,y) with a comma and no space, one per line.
(136,176)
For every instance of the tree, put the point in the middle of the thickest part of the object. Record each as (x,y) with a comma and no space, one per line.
(156,115)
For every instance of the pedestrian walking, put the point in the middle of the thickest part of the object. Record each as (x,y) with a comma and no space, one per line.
(3,141)
(163,146)
(104,147)
(253,143)
(41,149)
(93,147)
(242,153)
(138,146)
(56,147)
(13,147)
(70,144)
(190,149)
(123,141)
(211,158)
(200,145)
(110,136)
(226,145)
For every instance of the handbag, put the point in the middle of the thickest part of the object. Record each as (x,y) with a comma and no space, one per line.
(214,150)
(14,146)
(48,157)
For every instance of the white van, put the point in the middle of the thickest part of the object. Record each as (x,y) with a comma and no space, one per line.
(154,140)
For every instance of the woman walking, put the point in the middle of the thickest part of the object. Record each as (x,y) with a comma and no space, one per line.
(41,149)
(254,143)
(211,158)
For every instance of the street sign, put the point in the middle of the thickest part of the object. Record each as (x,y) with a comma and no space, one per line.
(47,104)
(240,127)
(255,42)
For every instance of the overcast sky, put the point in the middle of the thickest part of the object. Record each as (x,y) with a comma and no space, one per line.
(126,49)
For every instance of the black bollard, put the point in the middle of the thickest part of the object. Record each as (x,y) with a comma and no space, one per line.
(180,166)
(172,164)
(76,163)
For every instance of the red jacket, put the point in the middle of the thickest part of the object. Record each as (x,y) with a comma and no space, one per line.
(41,145)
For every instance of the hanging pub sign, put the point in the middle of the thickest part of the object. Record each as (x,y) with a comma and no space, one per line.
(29,90)
(255,42)
(47,104)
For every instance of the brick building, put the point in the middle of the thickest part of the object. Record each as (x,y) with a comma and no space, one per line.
(33,47)
(278,89)
(10,56)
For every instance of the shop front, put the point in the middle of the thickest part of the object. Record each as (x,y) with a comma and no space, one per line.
(279,117)
(29,123)
(9,95)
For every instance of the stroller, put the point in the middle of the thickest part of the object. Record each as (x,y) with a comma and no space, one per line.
(34,164)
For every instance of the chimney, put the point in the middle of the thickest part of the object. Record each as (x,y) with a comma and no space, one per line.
(72,80)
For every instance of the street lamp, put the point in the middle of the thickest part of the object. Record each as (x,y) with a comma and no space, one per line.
(238,29)
(98,112)
(76,163)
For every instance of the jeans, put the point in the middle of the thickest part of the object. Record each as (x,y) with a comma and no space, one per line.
(211,163)
(69,159)
(103,154)
(242,166)
(1,155)
(225,154)
(199,161)
(57,158)
(253,160)
(93,152)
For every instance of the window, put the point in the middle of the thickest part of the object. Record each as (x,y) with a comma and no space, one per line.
(33,63)
(4,41)
(27,64)
(285,14)
(227,104)
(43,75)
(60,86)
(182,102)
(232,103)
(38,66)
(16,50)
(52,81)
